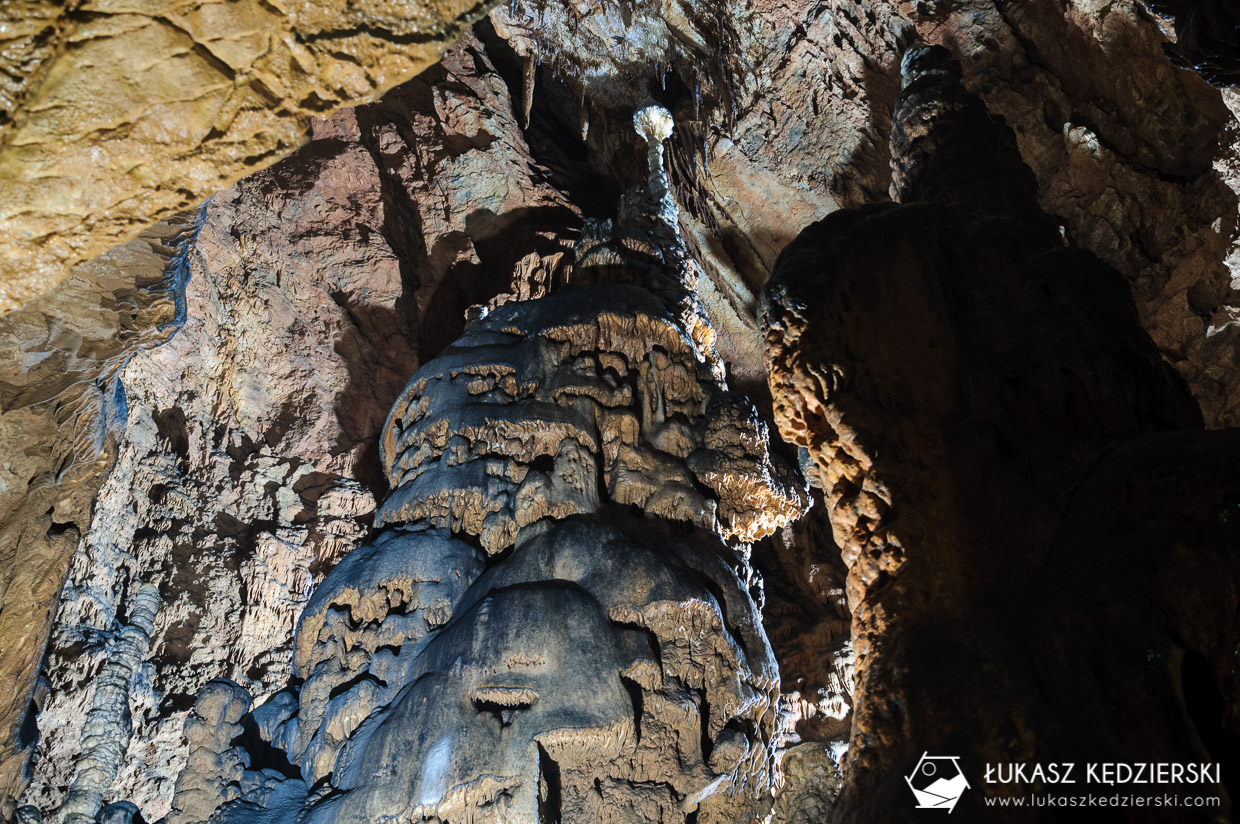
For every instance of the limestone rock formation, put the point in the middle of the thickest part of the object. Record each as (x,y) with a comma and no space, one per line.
(62,408)
(213,771)
(784,111)
(245,465)
(591,660)
(248,458)
(106,733)
(948,453)
(113,116)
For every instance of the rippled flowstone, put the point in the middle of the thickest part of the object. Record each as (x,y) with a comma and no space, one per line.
(549,624)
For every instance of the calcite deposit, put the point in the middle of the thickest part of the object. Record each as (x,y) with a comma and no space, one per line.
(948,456)
(63,406)
(108,727)
(532,635)
(246,460)
(205,409)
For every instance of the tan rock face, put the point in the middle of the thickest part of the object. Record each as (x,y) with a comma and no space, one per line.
(116,114)
(520,419)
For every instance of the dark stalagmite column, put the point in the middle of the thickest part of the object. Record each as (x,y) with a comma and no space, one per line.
(957,372)
(946,148)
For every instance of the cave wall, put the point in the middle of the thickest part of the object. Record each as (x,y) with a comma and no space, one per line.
(958,458)
(248,462)
(246,448)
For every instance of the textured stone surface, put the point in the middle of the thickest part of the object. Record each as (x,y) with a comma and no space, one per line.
(250,457)
(325,281)
(61,411)
(788,121)
(113,115)
(108,728)
(584,442)
(947,453)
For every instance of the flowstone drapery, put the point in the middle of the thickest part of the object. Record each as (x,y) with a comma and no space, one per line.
(550,624)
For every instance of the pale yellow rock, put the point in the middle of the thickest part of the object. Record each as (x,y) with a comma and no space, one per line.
(129,110)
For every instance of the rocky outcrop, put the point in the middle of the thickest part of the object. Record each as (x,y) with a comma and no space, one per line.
(948,453)
(112,117)
(213,770)
(62,409)
(788,122)
(247,464)
(248,459)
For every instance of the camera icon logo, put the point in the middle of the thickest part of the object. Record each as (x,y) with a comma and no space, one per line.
(937,782)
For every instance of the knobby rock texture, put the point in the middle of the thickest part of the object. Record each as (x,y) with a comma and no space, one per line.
(205,414)
(255,437)
(549,625)
(64,410)
(958,457)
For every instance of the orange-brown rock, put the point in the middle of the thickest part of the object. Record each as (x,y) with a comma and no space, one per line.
(955,370)
(115,114)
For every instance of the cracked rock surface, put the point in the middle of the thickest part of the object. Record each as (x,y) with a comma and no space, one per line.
(113,115)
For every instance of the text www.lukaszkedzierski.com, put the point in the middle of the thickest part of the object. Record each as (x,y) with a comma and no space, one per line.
(1103,801)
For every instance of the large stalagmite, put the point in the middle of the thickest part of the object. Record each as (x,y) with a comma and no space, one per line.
(949,453)
(549,625)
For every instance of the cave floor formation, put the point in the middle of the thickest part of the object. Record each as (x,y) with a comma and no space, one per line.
(678,413)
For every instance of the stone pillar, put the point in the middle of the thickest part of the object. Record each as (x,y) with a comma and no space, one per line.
(105,737)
